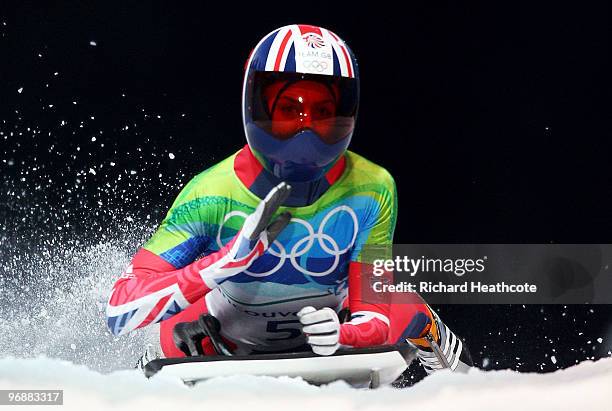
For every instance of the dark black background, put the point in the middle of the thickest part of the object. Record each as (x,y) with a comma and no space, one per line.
(494,120)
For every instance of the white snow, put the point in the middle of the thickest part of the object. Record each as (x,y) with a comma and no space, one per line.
(66,320)
(584,386)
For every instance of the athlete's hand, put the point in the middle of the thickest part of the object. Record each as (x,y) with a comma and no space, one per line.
(253,240)
(322,329)
(258,226)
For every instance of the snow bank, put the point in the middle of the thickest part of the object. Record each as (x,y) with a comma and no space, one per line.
(584,386)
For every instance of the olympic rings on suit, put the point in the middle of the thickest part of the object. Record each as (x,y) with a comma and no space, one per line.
(327,243)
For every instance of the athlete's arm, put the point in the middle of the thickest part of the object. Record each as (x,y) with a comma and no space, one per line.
(376,319)
(369,324)
(152,289)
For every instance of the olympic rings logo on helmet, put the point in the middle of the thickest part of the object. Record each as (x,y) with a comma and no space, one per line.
(325,241)
(316,65)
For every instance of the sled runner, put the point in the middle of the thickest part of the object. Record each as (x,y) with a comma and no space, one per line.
(359,367)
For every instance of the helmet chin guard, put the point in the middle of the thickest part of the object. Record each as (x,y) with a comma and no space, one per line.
(303,157)
(300,101)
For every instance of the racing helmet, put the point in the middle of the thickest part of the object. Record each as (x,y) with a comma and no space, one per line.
(300,99)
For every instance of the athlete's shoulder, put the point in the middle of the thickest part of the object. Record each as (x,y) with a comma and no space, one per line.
(362,171)
(213,181)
